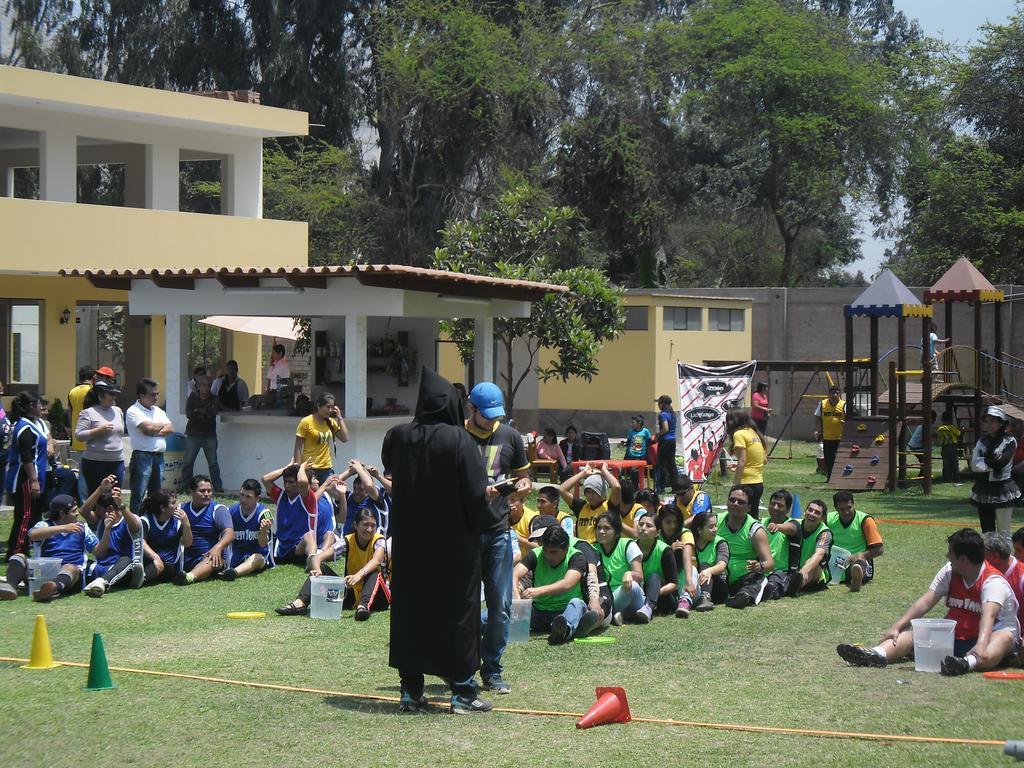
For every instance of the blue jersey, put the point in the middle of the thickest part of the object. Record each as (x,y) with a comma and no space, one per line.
(163,538)
(670,417)
(122,544)
(207,525)
(294,519)
(384,512)
(69,547)
(13,475)
(247,534)
(353,507)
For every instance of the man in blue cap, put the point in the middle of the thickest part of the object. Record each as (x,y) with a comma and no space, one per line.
(504,460)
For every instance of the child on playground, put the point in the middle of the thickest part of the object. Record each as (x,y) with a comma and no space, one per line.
(949,448)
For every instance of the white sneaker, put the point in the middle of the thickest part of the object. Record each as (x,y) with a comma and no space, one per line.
(96,587)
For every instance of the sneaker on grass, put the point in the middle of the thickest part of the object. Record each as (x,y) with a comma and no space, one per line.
(645,614)
(496,684)
(7,592)
(469,705)
(859,656)
(96,587)
(229,574)
(740,600)
(954,665)
(559,631)
(46,592)
(410,703)
(704,604)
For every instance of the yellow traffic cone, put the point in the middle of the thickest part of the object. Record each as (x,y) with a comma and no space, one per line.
(41,658)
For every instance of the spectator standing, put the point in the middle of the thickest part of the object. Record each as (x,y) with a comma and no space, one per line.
(148,427)
(76,402)
(192,386)
(5,439)
(26,470)
(315,435)
(830,415)
(759,410)
(994,491)
(201,408)
(747,447)
(99,429)
(229,389)
(665,472)
(278,368)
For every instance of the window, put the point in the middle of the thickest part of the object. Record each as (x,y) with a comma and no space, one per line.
(20,342)
(636,318)
(682,318)
(725,319)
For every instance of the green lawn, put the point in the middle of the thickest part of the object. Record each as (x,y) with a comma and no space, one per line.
(772,665)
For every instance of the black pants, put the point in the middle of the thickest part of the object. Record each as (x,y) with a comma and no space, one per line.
(665,474)
(754,492)
(124,573)
(27,512)
(374,594)
(718,588)
(167,574)
(950,463)
(778,585)
(412,683)
(831,448)
(652,592)
(750,584)
(987,517)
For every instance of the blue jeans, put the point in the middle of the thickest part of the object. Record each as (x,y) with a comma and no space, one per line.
(192,445)
(628,602)
(540,621)
(496,573)
(145,473)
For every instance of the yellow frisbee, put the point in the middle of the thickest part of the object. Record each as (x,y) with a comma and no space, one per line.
(246,615)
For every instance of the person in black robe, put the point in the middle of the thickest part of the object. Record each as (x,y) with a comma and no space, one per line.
(439,507)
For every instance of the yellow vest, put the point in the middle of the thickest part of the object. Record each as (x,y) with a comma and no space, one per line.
(585,522)
(356,558)
(832,417)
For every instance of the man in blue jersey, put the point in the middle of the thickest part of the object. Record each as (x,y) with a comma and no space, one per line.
(364,494)
(61,535)
(212,534)
(119,551)
(167,532)
(665,471)
(252,522)
(302,525)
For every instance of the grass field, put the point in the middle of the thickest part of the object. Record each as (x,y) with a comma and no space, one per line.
(773,665)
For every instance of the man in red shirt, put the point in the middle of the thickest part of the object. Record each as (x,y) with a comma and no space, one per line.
(999,554)
(979,599)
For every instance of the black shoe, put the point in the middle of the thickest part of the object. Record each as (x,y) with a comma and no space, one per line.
(559,631)
(590,620)
(292,610)
(954,665)
(859,656)
(46,592)
(796,583)
(362,613)
(740,600)
(229,574)
(468,705)
(181,578)
(704,604)
(410,703)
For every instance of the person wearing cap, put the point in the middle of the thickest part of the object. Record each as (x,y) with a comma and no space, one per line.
(76,402)
(994,491)
(505,459)
(558,572)
(665,471)
(601,492)
(830,416)
(119,552)
(148,427)
(60,535)
(27,463)
(106,373)
(100,430)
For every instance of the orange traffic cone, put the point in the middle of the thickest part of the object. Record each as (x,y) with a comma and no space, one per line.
(611,707)
(42,657)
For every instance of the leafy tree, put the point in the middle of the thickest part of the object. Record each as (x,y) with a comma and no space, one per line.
(520,238)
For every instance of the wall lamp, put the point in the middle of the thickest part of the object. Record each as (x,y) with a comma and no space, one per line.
(65,316)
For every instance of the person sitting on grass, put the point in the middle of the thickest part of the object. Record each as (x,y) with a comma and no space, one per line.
(547,505)
(251,522)
(623,567)
(999,554)
(712,560)
(629,507)
(979,601)
(59,535)
(212,534)
(815,548)
(167,531)
(365,571)
(596,482)
(784,542)
(685,492)
(119,550)
(364,494)
(857,533)
(519,518)
(679,540)
(661,574)
(558,571)
(299,532)
(749,555)
(594,586)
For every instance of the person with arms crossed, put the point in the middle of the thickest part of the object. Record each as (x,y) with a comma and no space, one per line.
(148,427)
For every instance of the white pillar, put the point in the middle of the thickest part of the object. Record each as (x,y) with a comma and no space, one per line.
(172,371)
(483,349)
(243,176)
(162,171)
(58,165)
(355,366)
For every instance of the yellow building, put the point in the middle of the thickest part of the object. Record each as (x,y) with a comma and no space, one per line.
(662,327)
(56,131)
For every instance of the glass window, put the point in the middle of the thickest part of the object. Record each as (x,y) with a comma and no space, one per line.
(636,318)
(20,342)
(682,318)
(726,319)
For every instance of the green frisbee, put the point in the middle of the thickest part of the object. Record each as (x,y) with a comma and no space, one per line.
(596,640)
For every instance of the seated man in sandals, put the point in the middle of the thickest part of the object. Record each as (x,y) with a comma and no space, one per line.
(857,533)
(979,600)
(61,535)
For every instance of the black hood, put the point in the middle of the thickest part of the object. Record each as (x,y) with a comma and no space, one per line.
(439,402)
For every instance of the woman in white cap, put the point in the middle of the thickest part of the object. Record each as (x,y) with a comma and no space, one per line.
(994,490)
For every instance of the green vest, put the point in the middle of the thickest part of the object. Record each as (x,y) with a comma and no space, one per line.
(652,563)
(809,545)
(544,575)
(741,548)
(778,543)
(706,556)
(851,538)
(615,564)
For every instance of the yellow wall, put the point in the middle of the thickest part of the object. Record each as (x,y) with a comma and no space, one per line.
(245,350)
(64,235)
(449,363)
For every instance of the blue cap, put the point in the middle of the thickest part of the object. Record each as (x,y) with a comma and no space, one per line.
(701,503)
(487,398)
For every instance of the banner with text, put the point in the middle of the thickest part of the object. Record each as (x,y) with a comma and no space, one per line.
(705,396)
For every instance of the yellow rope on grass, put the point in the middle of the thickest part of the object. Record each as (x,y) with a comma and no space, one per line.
(554,713)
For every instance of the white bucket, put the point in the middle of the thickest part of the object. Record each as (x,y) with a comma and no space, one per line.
(328,594)
(838,562)
(933,641)
(519,624)
(42,569)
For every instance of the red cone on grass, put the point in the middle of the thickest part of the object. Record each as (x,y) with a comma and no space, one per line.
(611,707)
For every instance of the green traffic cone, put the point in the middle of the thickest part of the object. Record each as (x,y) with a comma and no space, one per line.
(99,672)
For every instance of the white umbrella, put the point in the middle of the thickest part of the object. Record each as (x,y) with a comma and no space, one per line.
(279,327)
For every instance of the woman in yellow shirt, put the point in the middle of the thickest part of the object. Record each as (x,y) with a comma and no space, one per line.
(315,435)
(747,446)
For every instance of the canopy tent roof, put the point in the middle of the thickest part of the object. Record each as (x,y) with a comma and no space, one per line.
(277,327)
(962,282)
(887,297)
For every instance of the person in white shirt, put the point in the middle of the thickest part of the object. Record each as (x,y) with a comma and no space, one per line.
(278,368)
(148,427)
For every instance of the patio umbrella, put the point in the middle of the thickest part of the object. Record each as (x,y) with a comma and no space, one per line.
(279,327)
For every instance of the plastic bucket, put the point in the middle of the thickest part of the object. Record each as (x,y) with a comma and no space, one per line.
(328,593)
(42,569)
(933,641)
(837,563)
(519,624)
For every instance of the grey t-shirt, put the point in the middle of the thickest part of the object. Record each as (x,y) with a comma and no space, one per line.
(104,447)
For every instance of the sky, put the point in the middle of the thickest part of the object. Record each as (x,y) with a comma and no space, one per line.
(956,21)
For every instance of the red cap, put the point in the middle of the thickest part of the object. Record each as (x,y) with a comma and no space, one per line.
(106,371)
